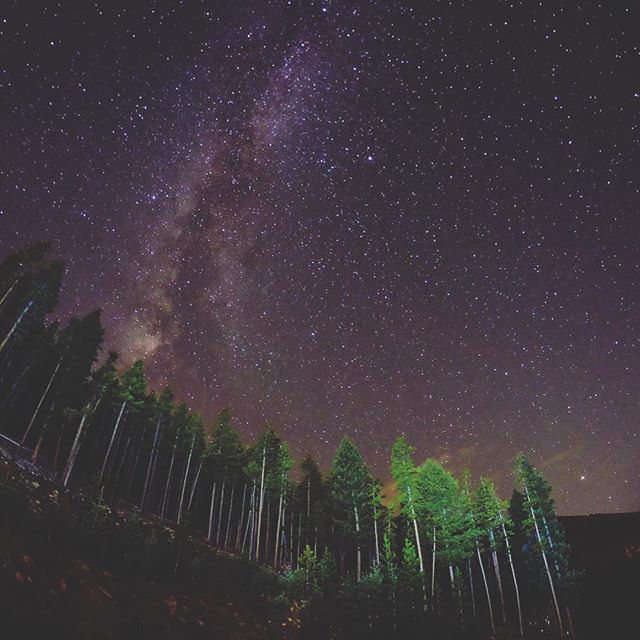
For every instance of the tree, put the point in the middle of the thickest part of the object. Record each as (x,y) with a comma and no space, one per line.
(542,521)
(351,490)
(132,392)
(194,434)
(489,513)
(403,472)
(35,296)
(225,455)
(78,348)
(436,491)
(102,383)
(308,494)
(285,462)
(162,410)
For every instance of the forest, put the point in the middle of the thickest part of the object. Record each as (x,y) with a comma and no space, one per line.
(444,555)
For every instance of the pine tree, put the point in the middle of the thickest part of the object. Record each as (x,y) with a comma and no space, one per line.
(351,489)
(132,391)
(403,472)
(436,491)
(541,521)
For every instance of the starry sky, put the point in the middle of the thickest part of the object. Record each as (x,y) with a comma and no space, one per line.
(362,218)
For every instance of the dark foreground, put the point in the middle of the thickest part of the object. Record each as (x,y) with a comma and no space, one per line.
(71,569)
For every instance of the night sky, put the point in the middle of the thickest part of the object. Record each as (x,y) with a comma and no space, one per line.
(363,218)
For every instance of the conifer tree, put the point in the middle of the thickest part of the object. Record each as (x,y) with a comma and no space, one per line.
(131,391)
(541,522)
(351,489)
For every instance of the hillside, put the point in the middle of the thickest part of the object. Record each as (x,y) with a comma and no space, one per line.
(91,571)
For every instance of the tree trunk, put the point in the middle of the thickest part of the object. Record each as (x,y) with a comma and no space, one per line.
(124,456)
(213,500)
(75,447)
(546,564)
(513,574)
(194,486)
(134,467)
(224,483)
(268,531)
(299,538)
(8,291)
(113,437)
(169,474)
(152,457)
(376,541)
(184,482)
(415,530)
(16,324)
(275,553)
(250,518)
(486,589)
(38,407)
(496,567)
(358,549)
(471,589)
(228,528)
(291,539)
(261,503)
(433,567)
(241,522)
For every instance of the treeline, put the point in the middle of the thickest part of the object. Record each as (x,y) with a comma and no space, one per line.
(445,549)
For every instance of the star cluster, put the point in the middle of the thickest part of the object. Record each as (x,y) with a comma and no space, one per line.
(363,218)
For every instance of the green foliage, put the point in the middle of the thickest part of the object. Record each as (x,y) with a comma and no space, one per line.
(351,490)
(133,385)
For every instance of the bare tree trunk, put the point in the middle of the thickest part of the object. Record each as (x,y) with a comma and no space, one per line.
(546,564)
(16,324)
(291,539)
(152,457)
(268,531)
(38,407)
(56,456)
(358,549)
(496,567)
(184,482)
(275,553)
(283,536)
(433,567)
(513,574)
(10,398)
(8,291)
(415,529)
(194,485)
(213,500)
(299,537)
(239,530)
(113,437)
(376,541)
(124,456)
(228,528)
(250,521)
(75,447)
(261,504)
(36,450)
(74,450)
(471,589)
(169,474)
(486,588)
(224,483)
(132,472)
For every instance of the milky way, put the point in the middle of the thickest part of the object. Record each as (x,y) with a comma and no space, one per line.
(351,217)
